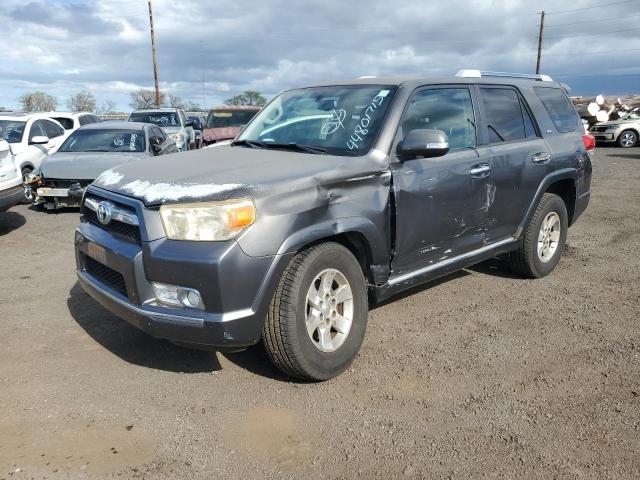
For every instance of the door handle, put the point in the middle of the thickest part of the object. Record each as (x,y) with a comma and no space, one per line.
(479,170)
(540,157)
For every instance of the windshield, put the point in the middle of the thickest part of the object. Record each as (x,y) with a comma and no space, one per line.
(339,119)
(162,119)
(112,140)
(631,116)
(229,118)
(11,131)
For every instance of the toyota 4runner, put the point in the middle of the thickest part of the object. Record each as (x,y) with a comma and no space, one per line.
(335,196)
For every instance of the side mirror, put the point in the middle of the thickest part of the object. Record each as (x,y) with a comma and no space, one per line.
(39,140)
(188,123)
(424,143)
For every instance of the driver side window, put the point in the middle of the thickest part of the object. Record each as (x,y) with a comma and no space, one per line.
(446,109)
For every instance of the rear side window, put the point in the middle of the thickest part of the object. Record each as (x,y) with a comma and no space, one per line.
(87,119)
(507,119)
(67,123)
(52,129)
(559,108)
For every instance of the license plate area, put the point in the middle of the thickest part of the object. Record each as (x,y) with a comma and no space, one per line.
(96,252)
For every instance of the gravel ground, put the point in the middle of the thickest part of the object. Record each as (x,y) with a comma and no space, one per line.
(482,374)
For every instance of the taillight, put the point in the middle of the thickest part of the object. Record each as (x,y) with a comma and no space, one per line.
(589,142)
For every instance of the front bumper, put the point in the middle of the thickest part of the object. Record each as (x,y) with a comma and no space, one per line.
(235,287)
(603,136)
(54,198)
(10,197)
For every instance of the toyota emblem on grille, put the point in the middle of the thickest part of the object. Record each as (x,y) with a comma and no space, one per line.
(104,212)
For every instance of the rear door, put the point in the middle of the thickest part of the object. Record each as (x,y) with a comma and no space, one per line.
(440,202)
(519,157)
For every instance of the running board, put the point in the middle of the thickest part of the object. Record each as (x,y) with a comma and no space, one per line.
(402,278)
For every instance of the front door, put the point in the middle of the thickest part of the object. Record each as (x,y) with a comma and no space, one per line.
(441,203)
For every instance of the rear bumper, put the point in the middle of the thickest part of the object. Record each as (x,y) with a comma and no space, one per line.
(10,197)
(236,288)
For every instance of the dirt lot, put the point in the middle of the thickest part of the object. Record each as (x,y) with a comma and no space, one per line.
(480,375)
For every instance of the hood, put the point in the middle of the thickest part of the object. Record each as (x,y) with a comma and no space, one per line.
(218,173)
(616,122)
(84,165)
(171,129)
(220,133)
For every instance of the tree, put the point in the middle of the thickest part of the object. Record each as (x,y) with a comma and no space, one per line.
(175,101)
(249,97)
(106,107)
(145,99)
(83,101)
(192,106)
(38,102)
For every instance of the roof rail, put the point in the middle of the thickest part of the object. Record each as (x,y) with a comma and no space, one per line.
(478,74)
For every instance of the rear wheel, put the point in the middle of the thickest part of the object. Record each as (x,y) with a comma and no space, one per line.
(544,239)
(318,315)
(627,139)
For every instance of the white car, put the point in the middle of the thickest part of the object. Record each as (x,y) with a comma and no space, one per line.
(172,120)
(11,190)
(71,121)
(31,137)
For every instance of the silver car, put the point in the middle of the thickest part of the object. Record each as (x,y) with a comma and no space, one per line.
(625,131)
(87,153)
(173,121)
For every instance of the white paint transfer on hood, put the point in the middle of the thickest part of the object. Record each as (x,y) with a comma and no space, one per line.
(109,177)
(157,192)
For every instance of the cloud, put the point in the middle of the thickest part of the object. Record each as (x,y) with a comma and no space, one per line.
(61,46)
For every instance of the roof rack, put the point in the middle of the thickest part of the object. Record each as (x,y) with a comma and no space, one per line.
(480,74)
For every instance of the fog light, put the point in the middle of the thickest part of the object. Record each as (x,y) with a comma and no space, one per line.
(174,296)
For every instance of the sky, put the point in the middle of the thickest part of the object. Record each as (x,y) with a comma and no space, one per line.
(64,46)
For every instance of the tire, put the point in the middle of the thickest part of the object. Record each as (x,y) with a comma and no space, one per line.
(326,351)
(532,259)
(28,194)
(627,139)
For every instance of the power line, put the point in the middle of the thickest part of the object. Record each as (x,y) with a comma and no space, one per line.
(588,8)
(582,34)
(593,21)
(576,54)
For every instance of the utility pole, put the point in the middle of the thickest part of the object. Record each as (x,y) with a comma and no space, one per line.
(540,41)
(153,54)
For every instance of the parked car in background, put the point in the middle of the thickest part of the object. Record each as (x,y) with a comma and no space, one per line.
(198,126)
(87,153)
(11,189)
(172,120)
(31,137)
(625,131)
(224,123)
(335,194)
(71,121)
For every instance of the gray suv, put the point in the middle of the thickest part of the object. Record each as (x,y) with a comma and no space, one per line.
(334,197)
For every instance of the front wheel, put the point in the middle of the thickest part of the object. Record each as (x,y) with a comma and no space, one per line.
(318,315)
(627,139)
(544,239)
(28,194)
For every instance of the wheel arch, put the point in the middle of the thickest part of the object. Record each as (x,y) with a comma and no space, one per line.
(358,235)
(561,182)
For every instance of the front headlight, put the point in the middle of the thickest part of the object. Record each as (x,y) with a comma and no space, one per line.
(176,137)
(33,179)
(612,127)
(207,222)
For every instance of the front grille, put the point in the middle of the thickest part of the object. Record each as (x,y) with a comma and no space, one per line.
(106,275)
(599,129)
(124,230)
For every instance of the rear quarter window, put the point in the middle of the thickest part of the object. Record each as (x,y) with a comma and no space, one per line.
(559,108)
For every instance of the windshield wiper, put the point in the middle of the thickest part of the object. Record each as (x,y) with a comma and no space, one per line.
(248,143)
(300,147)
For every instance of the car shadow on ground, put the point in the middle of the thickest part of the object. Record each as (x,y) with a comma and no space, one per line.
(496,267)
(254,359)
(133,345)
(10,221)
(632,156)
